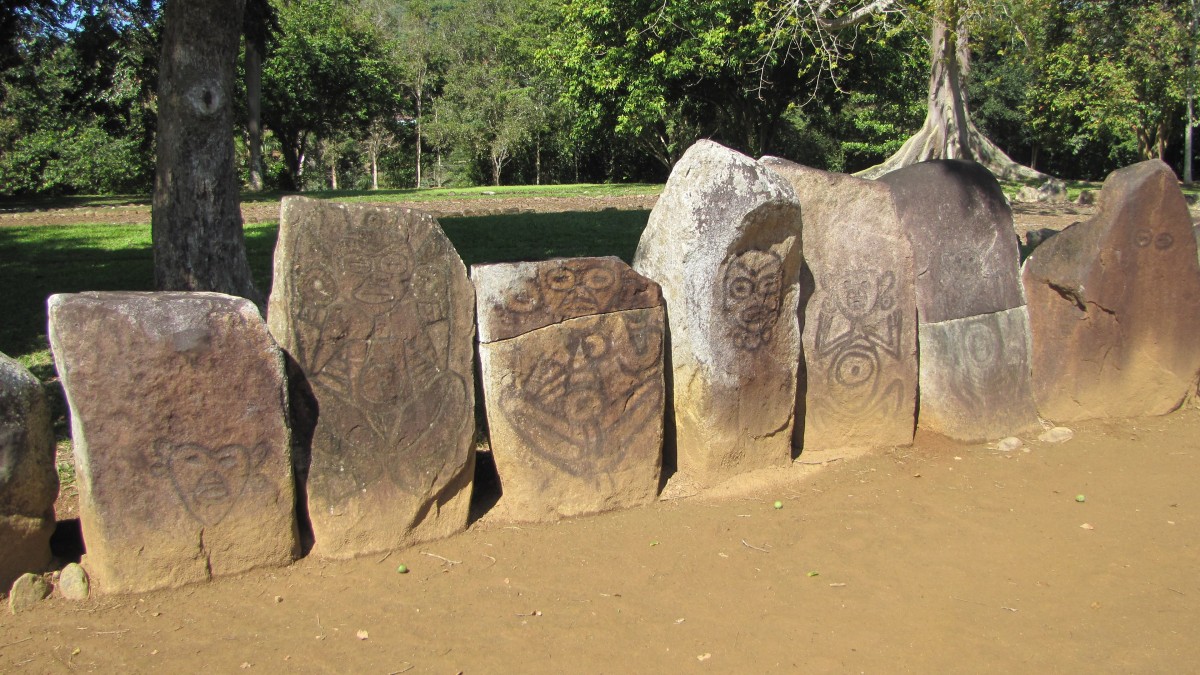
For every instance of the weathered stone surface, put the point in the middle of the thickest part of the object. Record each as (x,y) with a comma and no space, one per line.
(724,244)
(73,582)
(860,323)
(375,307)
(27,591)
(961,229)
(973,329)
(571,353)
(182,447)
(975,376)
(28,479)
(1115,303)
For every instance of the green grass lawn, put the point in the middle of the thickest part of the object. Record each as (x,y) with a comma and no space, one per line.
(38,261)
(408,195)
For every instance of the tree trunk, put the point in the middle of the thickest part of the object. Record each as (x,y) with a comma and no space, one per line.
(948,132)
(374,170)
(1187,140)
(419,96)
(254,53)
(196,223)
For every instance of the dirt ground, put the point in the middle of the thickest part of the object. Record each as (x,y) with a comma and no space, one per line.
(934,558)
(939,557)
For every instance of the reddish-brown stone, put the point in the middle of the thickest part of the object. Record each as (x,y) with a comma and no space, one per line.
(182,447)
(1114,303)
(575,405)
(860,323)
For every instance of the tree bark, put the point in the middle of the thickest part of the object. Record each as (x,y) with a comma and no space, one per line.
(948,132)
(196,222)
(254,54)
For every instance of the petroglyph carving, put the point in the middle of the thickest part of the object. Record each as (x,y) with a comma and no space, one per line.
(377,342)
(208,481)
(570,288)
(587,399)
(752,283)
(857,343)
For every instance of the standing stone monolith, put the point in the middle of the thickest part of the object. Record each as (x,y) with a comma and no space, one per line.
(723,242)
(860,322)
(571,353)
(1114,303)
(28,478)
(182,447)
(973,326)
(375,307)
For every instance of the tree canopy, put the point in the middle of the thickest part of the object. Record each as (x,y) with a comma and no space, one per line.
(400,93)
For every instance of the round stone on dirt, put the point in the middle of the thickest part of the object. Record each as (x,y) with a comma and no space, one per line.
(27,591)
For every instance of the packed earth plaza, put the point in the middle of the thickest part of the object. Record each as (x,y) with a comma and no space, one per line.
(820,423)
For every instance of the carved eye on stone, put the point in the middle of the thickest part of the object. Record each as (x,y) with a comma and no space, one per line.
(227,457)
(741,288)
(598,278)
(595,346)
(561,280)
(769,285)
(1163,241)
(358,265)
(1143,237)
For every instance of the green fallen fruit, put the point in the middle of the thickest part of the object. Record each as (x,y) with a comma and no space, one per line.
(1080,498)
(814,574)
(779,505)
(403,569)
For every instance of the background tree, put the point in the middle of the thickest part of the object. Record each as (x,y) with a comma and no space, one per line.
(196,222)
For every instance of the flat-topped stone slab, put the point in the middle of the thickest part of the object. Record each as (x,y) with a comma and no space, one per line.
(374,306)
(860,322)
(973,330)
(571,352)
(1115,303)
(28,478)
(182,448)
(723,242)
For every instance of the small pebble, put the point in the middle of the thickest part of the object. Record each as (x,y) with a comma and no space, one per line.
(1009,444)
(1056,435)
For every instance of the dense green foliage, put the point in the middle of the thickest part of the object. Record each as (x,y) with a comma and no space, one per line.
(366,94)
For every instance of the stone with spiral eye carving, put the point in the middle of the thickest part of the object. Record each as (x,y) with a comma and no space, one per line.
(572,366)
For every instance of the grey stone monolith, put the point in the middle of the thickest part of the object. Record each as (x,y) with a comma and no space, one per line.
(973,330)
(723,242)
(28,477)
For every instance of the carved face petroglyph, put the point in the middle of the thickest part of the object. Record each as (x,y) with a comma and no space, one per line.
(753,287)
(207,480)
(379,264)
(578,287)
(1144,237)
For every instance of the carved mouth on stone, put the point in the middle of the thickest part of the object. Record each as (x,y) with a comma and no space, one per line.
(212,490)
(754,316)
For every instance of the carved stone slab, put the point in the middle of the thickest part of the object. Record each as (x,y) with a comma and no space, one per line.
(572,362)
(28,479)
(975,383)
(724,244)
(375,307)
(182,449)
(860,323)
(1115,303)
(961,229)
